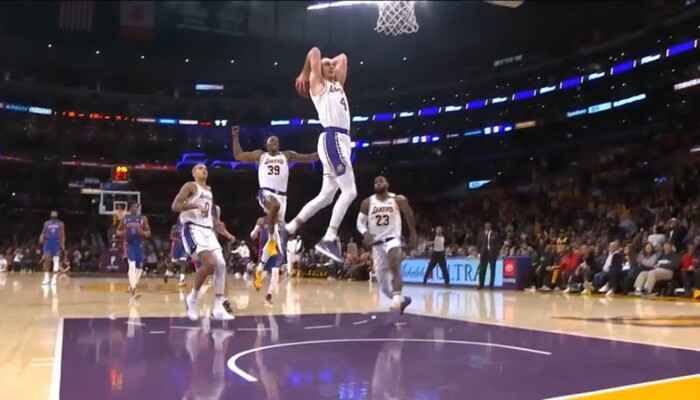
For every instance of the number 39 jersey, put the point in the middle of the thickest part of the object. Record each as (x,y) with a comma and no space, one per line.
(384,218)
(332,106)
(204,198)
(273,172)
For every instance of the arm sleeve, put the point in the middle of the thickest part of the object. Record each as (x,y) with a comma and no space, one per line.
(362,223)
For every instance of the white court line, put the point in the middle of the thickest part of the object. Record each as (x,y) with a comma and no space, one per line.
(619,388)
(319,326)
(55,388)
(231,363)
(134,323)
(253,329)
(186,327)
(364,321)
(558,332)
(157,332)
(40,365)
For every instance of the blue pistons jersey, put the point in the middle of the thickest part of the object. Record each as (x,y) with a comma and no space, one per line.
(133,239)
(52,237)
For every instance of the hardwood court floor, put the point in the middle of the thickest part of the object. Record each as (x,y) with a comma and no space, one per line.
(38,321)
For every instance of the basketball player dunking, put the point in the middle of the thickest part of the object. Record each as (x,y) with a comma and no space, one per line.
(53,238)
(272,264)
(379,222)
(323,79)
(195,203)
(273,178)
(133,228)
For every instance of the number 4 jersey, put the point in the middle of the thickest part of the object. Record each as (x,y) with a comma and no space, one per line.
(384,220)
(332,106)
(273,172)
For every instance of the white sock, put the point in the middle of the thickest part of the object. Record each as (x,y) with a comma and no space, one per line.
(193,294)
(398,299)
(47,276)
(56,263)
(182,277)
(137,276)
(292,226)
(131,275)
(274,280)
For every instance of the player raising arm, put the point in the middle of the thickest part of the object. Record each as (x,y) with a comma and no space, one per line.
(273,178)
(323,79)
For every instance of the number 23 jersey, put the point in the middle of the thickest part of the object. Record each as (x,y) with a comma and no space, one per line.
(384,218)
(273,172)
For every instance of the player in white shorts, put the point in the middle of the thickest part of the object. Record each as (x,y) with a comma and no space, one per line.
(273,178)
(323,80)
(379,222)
(195,203)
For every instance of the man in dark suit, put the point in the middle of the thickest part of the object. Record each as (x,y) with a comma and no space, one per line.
(676,234)
(489,244)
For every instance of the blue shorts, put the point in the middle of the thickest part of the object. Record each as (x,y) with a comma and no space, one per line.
(178,253)
(52,248)
(273,262)
(134,252)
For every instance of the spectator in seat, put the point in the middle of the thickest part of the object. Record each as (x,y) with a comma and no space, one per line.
(657,238)
(548,263)
(629,264)
(676,235)
(569,268)
(688,263)
(586,269)
(667,264)
(607,281)
(646,259)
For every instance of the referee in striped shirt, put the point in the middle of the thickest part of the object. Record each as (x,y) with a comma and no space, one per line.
(437,257)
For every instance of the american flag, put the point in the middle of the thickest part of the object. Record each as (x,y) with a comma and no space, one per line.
(76,15)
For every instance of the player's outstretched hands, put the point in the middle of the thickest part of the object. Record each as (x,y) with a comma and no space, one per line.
(302,85)
(235,130)
(367,239)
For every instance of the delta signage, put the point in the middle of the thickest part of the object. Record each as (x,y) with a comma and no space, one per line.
(511,272)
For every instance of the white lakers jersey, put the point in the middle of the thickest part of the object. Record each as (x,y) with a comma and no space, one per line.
(332,106)
(204,198)
(273,171)
(384,218)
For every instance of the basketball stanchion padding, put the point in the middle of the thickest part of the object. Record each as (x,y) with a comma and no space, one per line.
(506,3)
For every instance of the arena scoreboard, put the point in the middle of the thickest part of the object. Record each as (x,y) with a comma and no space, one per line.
(121,173)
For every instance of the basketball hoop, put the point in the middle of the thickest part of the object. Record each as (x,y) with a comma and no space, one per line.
(396,18)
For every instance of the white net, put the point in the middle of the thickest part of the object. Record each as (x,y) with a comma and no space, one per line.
(396,18)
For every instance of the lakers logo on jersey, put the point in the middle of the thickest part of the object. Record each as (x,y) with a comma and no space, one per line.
(340,168)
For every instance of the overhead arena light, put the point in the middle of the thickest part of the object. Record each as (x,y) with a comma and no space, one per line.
(333,4)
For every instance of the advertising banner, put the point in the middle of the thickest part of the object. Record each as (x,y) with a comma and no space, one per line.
(511,273)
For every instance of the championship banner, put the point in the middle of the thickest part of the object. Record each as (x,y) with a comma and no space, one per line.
(226,17)
(137,18)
